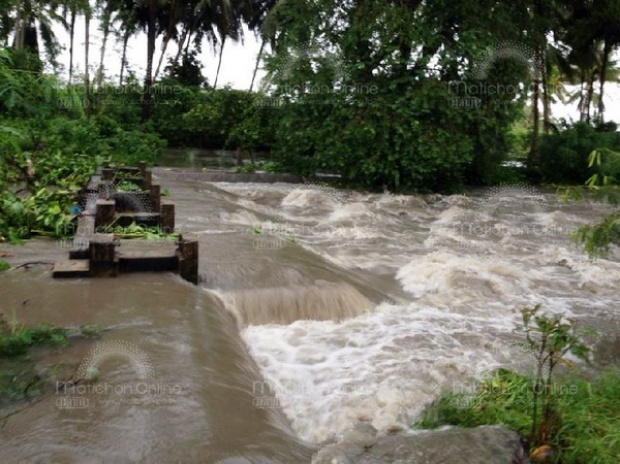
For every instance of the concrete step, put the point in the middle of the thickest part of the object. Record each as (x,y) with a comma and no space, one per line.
(71,269)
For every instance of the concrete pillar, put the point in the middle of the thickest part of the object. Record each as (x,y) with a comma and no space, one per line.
(104,214)
(107,174)
(147,180)
(102,262)
(156,197)
(167,217)
(188,260)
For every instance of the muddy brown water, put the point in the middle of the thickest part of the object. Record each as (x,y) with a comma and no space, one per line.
(316,308)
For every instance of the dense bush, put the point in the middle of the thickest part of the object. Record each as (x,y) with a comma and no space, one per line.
(562,158)
(210,123)
(403,139)
(49,148)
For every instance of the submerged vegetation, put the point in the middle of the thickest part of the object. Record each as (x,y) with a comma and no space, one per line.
(19,377)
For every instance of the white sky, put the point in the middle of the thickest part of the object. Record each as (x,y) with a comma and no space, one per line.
(238,64)
(238,60)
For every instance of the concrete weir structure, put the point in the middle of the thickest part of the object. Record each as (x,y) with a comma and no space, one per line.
(98,253)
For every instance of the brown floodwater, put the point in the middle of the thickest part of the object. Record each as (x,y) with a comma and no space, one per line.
(316,308)
(195,406)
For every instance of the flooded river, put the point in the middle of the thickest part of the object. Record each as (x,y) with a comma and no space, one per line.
(316,308)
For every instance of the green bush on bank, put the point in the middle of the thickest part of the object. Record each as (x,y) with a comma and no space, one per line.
(562,158)
(589,426)
(564,420)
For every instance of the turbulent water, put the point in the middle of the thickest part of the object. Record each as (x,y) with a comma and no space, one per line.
(350,306)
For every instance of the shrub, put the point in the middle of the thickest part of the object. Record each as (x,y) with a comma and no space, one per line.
(562,158)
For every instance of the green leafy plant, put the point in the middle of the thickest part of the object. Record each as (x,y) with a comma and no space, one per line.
(135,231)
(128,186)
(549,339)
(597,238)
(559,417)
(18,340)
(249,168)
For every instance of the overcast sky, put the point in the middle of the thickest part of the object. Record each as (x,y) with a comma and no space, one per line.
(238,60)
(238,64)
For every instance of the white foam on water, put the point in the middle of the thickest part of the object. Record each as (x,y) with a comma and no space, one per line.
(596,275)
(457,200)
(470,264)
(383,367)
(449,273)
(352,212)
(243,217)
(301,198)
(452,215)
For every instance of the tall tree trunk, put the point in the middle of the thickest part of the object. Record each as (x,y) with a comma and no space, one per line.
(582,97)
(124,58)
(147,97)
(161,57)
(258,58)
(71,41)
(535,110)
(602,78)
(219,64)
(167,38)
(545,97)
(20,31)
(189,41)
(184,37)
(590,95)
(105,20)
(87,102)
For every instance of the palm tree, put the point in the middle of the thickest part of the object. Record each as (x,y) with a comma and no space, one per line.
(72,9)
(87,17)
(34,18)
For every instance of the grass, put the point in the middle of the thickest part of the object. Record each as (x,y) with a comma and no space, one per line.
(4,266)
(586,428)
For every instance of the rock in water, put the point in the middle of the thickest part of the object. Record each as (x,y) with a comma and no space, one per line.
(481,445)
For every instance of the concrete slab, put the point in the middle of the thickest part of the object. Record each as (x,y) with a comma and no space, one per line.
(71,269)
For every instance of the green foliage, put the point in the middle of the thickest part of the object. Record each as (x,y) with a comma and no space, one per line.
(19,378)
(19,340)
(210,123)
(249,168)
(504,397)
(356,95)
(4,266)
(563,158)
(134,231)
(104,138)
(588,430)
(550,339)
(48,151)
(45,212)
(127,186)
(563,415)
(188,72)
(596,239)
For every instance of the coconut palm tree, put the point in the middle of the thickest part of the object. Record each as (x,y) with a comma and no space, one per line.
(34,19)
